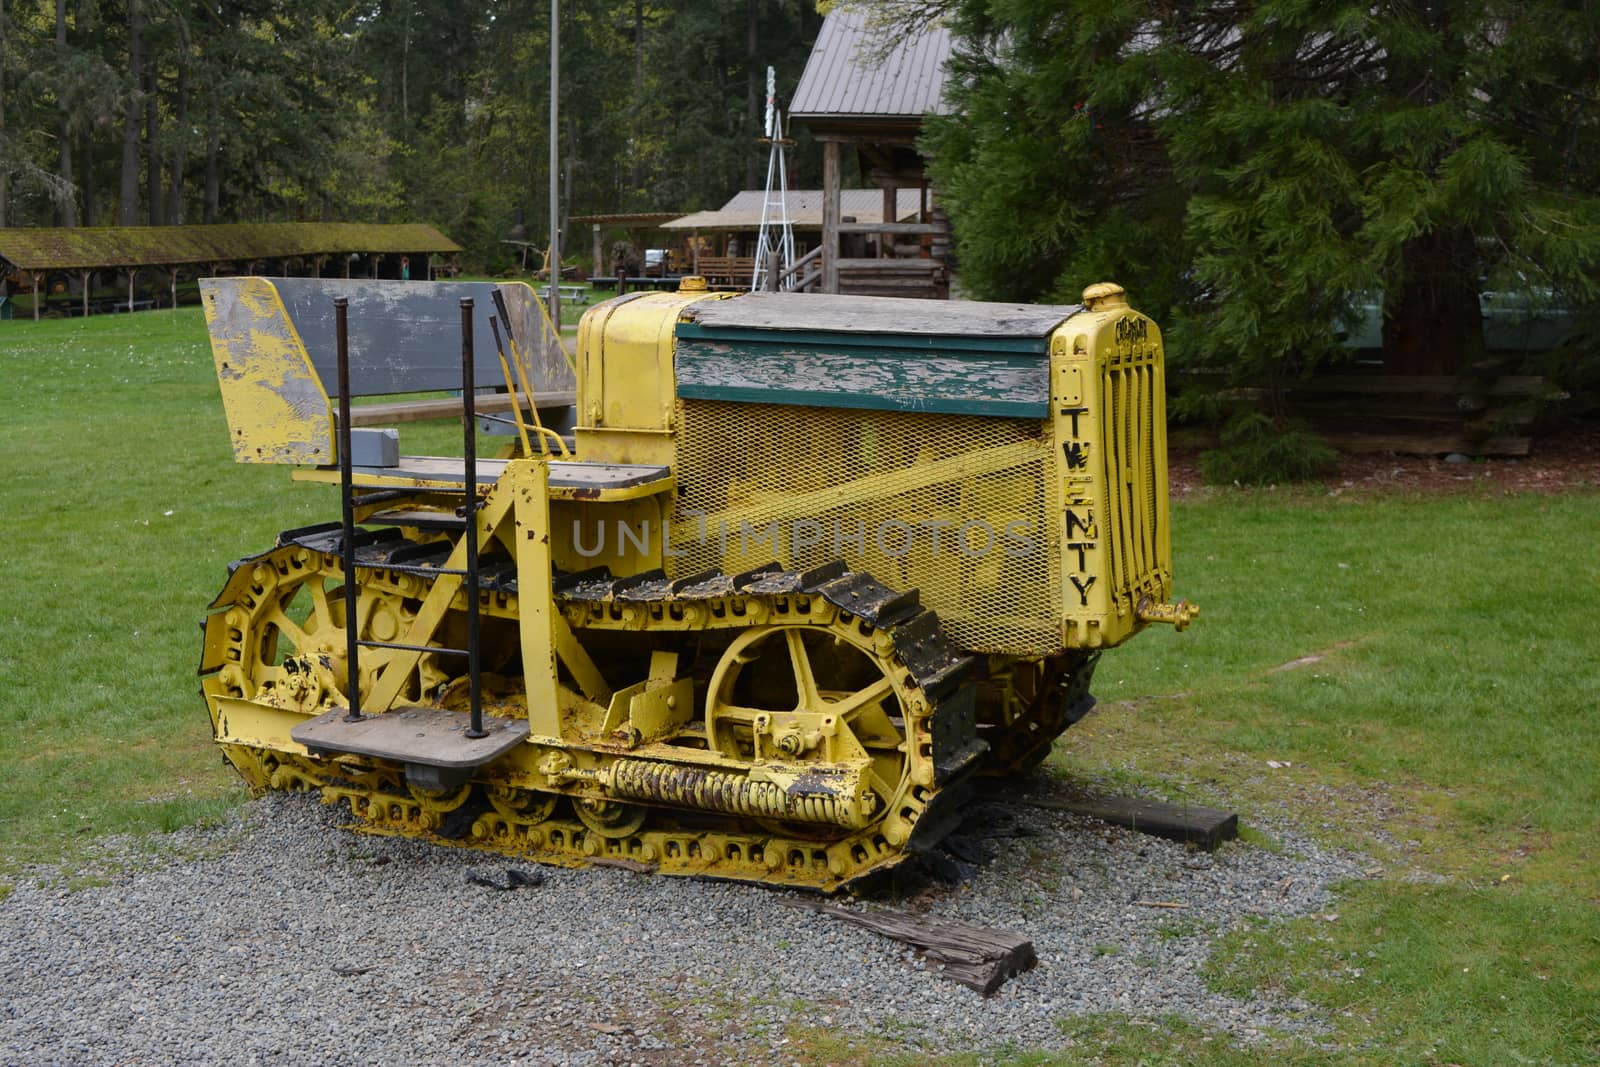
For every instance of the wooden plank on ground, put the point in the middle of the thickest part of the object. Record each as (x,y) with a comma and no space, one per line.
(1204,827)
(976,956)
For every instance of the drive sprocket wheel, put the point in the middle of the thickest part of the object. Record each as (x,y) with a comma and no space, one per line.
(283,638)
(821,692)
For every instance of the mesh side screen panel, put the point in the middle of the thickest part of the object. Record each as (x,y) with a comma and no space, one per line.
(803,486)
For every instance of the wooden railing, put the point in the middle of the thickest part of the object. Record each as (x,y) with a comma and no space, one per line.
(727,270)
(805,271)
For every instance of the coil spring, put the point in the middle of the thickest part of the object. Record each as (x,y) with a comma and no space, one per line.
(731,794)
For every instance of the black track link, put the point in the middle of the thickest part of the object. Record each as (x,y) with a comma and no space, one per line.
(936,665)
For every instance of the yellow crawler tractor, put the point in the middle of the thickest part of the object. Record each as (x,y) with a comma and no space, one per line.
(757,588)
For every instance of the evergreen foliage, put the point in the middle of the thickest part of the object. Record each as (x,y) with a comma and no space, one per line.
(1252,171)
(437,111)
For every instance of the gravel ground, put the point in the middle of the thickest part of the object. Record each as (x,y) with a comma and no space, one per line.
(281,938)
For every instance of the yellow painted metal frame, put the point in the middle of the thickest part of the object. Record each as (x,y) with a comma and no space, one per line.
(277,408)
(1100,607)
(627,392)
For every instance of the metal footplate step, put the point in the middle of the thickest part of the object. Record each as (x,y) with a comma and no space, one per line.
(431,742)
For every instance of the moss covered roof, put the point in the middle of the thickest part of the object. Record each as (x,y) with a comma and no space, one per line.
(57,248)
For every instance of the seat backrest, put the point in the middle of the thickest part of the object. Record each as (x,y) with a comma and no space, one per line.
(405,337)
(274,341)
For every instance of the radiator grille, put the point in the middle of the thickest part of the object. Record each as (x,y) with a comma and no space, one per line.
(1135,447)
(879,486)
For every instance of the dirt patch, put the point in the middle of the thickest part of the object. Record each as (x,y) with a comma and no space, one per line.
(1558,464)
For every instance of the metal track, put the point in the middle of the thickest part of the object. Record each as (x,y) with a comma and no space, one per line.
(702,837)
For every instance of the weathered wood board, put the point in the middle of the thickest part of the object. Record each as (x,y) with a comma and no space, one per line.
(806,312)
(1005,384)
(1203,827)
(879,353)
(976,956)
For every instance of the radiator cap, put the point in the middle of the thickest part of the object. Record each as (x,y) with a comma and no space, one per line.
(1104,296)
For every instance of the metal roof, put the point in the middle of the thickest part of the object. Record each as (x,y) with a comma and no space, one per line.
(743,212)
(63,248)
(630,218)
(849,74)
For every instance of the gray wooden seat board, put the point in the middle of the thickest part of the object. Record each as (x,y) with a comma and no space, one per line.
(564,474)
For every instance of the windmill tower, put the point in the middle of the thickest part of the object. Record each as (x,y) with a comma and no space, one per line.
(777,233)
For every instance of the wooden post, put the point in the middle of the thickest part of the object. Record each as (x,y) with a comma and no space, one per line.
(830,216)
(174,272)
(132,272)
(598,260)
(770,282)
(924,215)
(35,296)
(891,213)
(84,276)
(346,264)
(694,251)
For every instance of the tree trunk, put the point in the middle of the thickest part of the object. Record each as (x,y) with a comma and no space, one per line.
(755,84)
(569,167)
(91,208)
(180,143)
(67,211)
(405,73)
(635,179)
(213,162)
(5,177)
(128,189)
(1434,324)
(152,150)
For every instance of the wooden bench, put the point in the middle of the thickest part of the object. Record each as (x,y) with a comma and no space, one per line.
(736,271)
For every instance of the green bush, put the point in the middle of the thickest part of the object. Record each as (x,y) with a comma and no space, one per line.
(1257,449)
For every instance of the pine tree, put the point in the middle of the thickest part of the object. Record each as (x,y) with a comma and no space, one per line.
(1253,171)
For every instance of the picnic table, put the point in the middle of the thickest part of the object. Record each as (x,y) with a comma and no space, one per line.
(570,294)
(99,306)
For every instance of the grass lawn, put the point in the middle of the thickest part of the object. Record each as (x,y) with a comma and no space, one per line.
(1424,671)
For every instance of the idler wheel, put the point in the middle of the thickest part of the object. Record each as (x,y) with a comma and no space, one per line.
(610,818)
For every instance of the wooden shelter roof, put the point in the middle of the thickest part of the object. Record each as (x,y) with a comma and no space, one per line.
(632,218)
(743,211)
(61,248)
